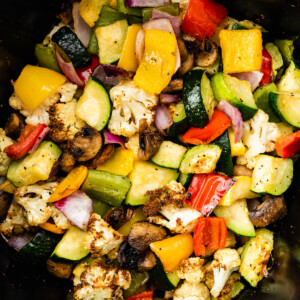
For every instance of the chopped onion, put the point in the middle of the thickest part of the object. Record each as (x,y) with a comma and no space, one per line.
(235,117)
(146,3)
(82,29)
(110,138)
(109,74)
(163,118)
(140,45)
(19,241)
(253,77)
(168,98)
(77,207)
(68,69)
(39,139)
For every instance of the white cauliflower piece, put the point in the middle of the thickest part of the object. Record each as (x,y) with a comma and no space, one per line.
(101,238)
(130,105)
(259,136)
(59,218)
(100,282)
(192,291)
(34,199)
(133,143)
(225,262)
(15,221)
(191,269)
(5,160)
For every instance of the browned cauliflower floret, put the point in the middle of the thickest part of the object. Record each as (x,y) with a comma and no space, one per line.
(191,269)
(192,291)
(59,218)
(4,159)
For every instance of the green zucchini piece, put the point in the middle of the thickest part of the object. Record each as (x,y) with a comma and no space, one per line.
(198,98)
(107,187)
(236,92)
(172,9)
(128,10)
(35,166)
(290,80)
(46,57)
(68,41)
(286,107)
(200,159)
(271,175)
(180,123)
(277,61)
(255,256)
(137,283)
(185,179)
(71,247)
(146,176)
(94,106)
(169,155)
(286,47)
(237,26)
(236,217)
(261,96)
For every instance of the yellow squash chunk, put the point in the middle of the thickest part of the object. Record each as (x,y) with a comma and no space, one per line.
(137,215)
(237,149)
(239,190)
(90,10)
(121,162)
(128,59)
(35,84)
(158,62)
(241,50)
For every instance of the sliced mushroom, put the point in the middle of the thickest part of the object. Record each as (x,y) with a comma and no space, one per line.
(208,53)
(148,262)
(128,257)
(14,126)
(102,156)
(182,49)
(187,58)
(173,86)
(67,162)
(150,140)
(270,210)
(86,144)
(142,234)
(5,201)
(239,170)
(117,216)
(60,270)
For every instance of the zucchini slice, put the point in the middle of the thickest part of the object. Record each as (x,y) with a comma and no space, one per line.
(236,217)
(272,175)
(185,179)
(200,159)
(180,123)
(94,106)
(290,80)
(287,107)
(277,61)
(286,47)
(169,155)
(236,92)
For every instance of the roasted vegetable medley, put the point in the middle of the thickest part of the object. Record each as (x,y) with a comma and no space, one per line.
(149,149)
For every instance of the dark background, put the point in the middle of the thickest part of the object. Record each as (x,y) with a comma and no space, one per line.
(24,23)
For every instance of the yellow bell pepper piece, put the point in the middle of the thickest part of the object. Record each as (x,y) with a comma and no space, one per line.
(237,149)
(35,84)
(173,250)
(52,228)
(7,187)
(137,215)
(128,59)
(70,184)
(121,162)
(113,4)
(241,50)
(158,62)
(239,190)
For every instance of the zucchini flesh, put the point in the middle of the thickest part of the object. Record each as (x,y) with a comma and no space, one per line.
(286,47)
(290,80)
(272,175)
(180,123)
(277,61)
(185,179)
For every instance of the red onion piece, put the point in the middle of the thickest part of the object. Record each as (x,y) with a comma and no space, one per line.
(19,241)
(140,45)
(77,207)
(82,30)
(235,117)
(68,69)
(146,3)
(168,98)
(39,139)
(163,118)
(175,21)
(110,138)
(253,77)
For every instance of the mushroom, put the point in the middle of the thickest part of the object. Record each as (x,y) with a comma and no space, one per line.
(5,201)
(208,53)
(14,126)
(128,257)
(86,144)
(118,216)
(150,140)
(173,86)
(270,210)
(60,270)
(148,262)
(102,156)
(187,58)
(239,170)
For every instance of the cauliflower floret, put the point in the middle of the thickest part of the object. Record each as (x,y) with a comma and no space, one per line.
(133,143)
(64,123)
(59,218)
(34,200)
(225,262)
(5,160)
(192,291)
(64,93)
(130,105)
(259,137)
(101,281)
(101,238)
(15,221)
(167,208)
(191,269)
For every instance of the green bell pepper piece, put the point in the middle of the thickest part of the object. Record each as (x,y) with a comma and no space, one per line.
(46,57)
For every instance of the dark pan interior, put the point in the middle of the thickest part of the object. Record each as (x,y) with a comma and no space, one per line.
(25,22)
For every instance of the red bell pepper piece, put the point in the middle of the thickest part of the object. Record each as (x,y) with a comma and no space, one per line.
(288,145)
(216,126)
(210,234)
(85,73)
(202,18)
(148,295)
(206,190)
(25,142)
(266,67)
